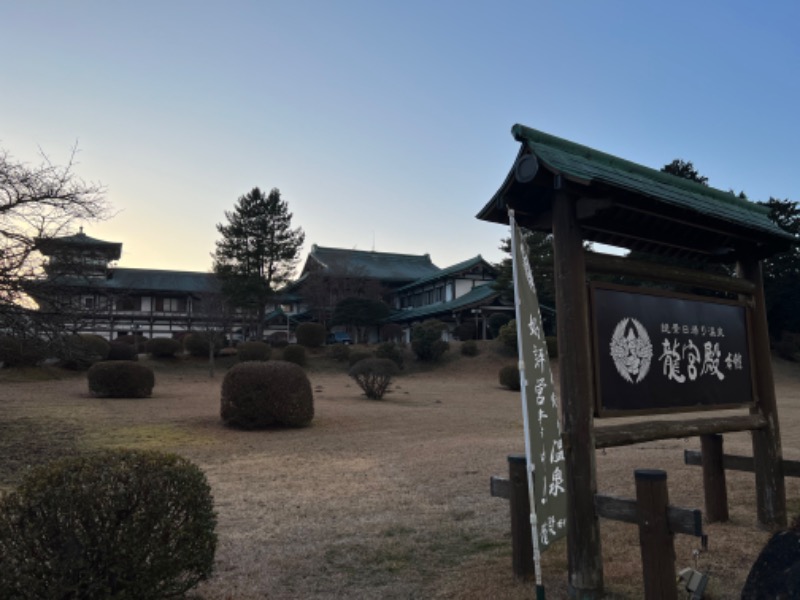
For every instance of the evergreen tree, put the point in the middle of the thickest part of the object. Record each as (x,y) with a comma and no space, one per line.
(782,272)
(685,169)
(257,252)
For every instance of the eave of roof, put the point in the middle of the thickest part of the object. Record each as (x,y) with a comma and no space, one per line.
(481,294)
(447,272)
(147,280)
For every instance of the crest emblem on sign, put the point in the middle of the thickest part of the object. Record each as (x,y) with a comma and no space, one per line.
(631,350)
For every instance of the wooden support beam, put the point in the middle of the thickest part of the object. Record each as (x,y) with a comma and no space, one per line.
(686,521)
(714,488)
(770,486)
(735,462)
(584,556)
(656,540)
(648,271)
(626,434)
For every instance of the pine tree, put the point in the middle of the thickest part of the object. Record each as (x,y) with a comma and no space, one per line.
(258,251)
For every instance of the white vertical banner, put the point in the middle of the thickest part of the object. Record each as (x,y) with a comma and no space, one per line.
(543,442)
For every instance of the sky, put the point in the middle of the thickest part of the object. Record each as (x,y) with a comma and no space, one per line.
(384,124)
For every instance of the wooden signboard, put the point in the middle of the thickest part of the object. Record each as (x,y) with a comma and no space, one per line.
(658,352)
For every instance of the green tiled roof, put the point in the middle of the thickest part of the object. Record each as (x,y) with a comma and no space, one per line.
(149,280)
(478,295)
(586,165)
(627,204)
(384,266)
(447,272)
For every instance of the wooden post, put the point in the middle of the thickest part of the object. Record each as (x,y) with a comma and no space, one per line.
(655,538)
(519,501)
(584,556)
(767,453)
(714,489)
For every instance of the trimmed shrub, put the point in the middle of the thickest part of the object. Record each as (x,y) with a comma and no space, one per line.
(508,336)
(198,343)
(253,351)
(496,321)
(427,342)
(80,351)
(138,341)
(391,351)
(296,354)
(21,351)
(340,352)
(163,347)
(113,524)
(509,377)
(552,346)
(278,340)
(356,356)
(120,351)
(373,375)
(120,379)
(469,348)
(465,331)
(262,394)
(310,335)
(391,332)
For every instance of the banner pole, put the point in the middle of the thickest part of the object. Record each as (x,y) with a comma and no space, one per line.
(537,563)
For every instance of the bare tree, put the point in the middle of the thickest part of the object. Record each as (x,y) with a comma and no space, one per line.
(36,203)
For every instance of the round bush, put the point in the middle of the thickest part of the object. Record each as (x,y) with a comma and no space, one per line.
(391,332)
(80,351)
(465,331)
(427,342)
(198,343)
(120,351)
(310,335)
(295,353)
(374,375)
(114,524)
(21,351)
(509,377)
(469,348)
(120,379)
(356,356)
(340,352)
(391,351)
(138,341)
(253,351)
(163,347)
(508,336)
(262,394)
(496,321)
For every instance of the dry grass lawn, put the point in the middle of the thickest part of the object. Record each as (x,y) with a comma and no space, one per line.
(379,499)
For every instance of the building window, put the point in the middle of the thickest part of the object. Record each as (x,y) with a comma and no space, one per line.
(88,302)
(128,303)
(171,304)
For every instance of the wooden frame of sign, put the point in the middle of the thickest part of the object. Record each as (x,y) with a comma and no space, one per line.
(657,351)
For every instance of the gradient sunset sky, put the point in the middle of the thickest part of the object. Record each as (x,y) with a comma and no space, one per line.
(385,124)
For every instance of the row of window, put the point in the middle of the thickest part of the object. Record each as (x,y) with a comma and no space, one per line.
(134,304)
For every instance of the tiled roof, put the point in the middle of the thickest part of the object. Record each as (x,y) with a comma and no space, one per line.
(79,240)
(586,165)
(384,266)
(481,294)
(630,205)
(149,280)
(447,272)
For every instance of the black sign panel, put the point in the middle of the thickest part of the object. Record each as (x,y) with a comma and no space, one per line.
(668,353)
